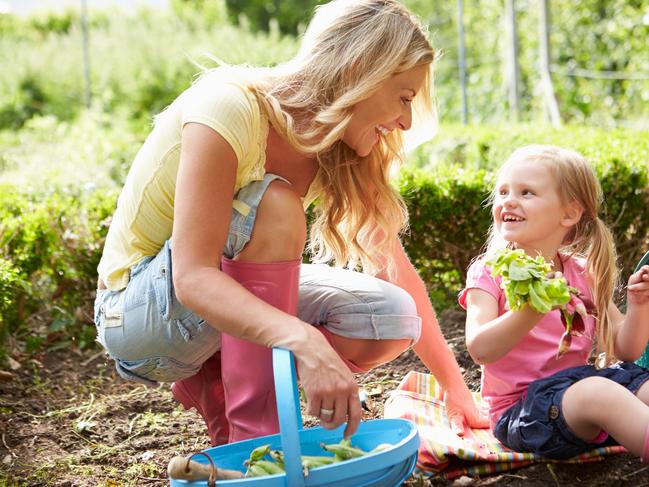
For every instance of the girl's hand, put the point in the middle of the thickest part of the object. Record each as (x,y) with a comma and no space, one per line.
(462,411)
(638,287)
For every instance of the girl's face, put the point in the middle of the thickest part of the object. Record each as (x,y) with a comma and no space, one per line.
(387,109)
(527,209)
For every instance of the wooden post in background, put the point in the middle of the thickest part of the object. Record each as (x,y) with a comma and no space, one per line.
(512,62)
(462,61)
(86,53)
(550,105)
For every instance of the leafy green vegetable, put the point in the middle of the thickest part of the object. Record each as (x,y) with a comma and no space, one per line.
(530,281)
(525,281)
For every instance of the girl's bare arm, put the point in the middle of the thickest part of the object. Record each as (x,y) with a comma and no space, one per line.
(489,336)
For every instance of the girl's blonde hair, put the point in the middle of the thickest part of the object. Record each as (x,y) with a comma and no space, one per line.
(590,237)
(348,51)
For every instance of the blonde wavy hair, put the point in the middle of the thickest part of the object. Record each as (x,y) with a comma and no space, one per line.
(590,237)
(349,50)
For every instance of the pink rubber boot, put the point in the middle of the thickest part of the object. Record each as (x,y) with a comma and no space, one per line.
(204,391)
(248,368)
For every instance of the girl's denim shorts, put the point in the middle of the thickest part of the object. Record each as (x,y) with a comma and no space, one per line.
(153,338)
(536,423)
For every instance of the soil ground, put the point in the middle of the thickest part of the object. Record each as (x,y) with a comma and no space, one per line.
(67,419)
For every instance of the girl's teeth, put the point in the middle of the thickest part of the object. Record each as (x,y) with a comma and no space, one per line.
(383,130)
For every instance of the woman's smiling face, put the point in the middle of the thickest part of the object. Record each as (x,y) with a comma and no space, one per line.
(387,109)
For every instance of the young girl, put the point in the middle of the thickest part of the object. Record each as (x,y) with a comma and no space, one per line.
(546,202)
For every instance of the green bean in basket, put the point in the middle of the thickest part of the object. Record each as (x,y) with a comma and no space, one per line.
(265,461)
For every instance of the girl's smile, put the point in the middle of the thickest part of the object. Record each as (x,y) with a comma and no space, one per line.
(527,209)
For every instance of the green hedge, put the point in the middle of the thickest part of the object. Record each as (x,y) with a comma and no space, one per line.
(51,238)
(49,251)
(448,223)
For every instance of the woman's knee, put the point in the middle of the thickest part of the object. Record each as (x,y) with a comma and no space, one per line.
(279,232)
(396,301)
(355,305)
(389,315)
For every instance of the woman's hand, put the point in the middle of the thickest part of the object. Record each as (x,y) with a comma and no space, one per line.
(462,411)
(638,287)
(330,388)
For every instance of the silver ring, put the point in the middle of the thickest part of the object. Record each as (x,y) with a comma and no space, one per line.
(326,412)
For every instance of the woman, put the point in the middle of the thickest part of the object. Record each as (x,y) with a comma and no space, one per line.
(219,190)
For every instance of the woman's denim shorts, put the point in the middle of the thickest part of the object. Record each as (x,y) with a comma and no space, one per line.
(536,424)
(153,338)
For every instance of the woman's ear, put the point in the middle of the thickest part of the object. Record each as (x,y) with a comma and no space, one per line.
(572,214)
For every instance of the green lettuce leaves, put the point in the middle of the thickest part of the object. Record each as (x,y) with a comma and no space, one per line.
(525,281)
(530,281)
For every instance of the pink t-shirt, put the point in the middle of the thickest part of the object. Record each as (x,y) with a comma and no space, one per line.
(506,380)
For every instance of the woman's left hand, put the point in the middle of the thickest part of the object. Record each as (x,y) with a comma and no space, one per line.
(462,412)
(638,287)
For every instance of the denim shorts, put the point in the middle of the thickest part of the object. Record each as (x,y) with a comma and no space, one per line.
(536,423)
(153,338)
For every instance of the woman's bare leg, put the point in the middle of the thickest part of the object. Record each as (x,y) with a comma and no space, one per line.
(279,232)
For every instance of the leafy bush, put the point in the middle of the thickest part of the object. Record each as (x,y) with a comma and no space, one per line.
(50,246)
(488,146)
(448,224)
(58,187)
(11,287)
(210,11)
(46,154)
(29,100)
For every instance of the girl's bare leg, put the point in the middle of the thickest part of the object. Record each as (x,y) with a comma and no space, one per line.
(643,393)
(596,403)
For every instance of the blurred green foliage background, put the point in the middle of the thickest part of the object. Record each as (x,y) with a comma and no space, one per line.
(141,62)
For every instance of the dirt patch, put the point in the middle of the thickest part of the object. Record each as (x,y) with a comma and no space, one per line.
(67,419)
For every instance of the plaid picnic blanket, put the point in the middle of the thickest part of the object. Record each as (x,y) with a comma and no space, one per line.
(444,454)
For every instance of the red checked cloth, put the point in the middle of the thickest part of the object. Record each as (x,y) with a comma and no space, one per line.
(441,452)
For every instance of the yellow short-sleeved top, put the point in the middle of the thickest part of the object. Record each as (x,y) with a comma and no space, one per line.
(144,216)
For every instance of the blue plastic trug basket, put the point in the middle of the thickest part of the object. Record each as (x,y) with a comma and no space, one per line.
(387,468)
